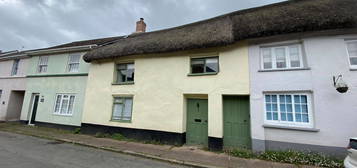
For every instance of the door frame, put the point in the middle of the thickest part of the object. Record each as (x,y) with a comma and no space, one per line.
(249,112)
(33,96)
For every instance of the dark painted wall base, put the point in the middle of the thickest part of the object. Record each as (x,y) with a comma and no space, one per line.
(140,134)
(58,126)
(215,144)
(24,121)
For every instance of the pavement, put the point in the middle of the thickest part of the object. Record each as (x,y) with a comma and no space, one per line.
(185,155)
(17,151)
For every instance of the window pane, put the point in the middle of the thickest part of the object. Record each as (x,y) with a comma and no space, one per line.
(197,66)
(283,116)
(58,103)
(294,56)
(73,67)
(15,67)
(117,111)
(70,107)
(298,117)
(353,60)
(130,75)
(121,66)
(127,109)
(290,116)
(125,72)
(267,98)
(352,49)
(267,60)
(122,76)
(297,99)
(274,98)
(269,116)
(268,107)
(212,65)
(74,58)
(280,57)
(275,116)
(303,99)
(64,106)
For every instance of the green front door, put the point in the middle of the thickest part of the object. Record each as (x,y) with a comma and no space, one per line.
(197,122)
(236,120)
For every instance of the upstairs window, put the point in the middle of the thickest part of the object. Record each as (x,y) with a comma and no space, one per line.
(42,64)
(73,62)
(352,52)
(15,67)
(204,65)
(64,104)
(288,109)
(122,108)
(125,73)
(281,57)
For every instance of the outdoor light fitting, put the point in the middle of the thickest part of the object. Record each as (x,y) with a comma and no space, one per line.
(339,84)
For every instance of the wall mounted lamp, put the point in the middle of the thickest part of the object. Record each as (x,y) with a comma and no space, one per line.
(339,84)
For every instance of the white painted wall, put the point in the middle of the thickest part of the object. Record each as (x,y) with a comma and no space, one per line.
(335,114)
(9,83)
(161,81)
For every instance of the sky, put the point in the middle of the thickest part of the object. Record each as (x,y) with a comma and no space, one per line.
(31,24)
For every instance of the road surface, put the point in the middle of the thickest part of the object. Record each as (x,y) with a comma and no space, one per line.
(20,151)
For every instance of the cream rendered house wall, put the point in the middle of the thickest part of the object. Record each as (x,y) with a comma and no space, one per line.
(161,86)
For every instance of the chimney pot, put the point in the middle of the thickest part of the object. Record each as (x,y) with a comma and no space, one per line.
(140,26)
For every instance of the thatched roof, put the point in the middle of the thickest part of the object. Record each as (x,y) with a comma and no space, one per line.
(282,18)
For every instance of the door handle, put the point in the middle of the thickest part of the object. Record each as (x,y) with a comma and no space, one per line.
(198,120)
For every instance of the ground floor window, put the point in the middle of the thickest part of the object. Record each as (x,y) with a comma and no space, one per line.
(64,104)
(122,108)
(288,109)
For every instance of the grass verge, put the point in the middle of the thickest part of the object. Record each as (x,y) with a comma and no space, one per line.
(290,156)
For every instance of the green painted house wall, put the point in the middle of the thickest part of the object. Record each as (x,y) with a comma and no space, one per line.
(57,80)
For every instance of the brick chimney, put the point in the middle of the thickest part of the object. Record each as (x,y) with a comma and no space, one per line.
(140,26)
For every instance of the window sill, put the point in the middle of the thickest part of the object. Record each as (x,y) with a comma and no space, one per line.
(123,83)
(64,115)
(275,70)
(121,121)
(291,128)
(202,74)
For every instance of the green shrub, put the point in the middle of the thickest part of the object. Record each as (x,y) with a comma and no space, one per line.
(102,135)
(118,136)
(290,156)
(77,131)
(242,153)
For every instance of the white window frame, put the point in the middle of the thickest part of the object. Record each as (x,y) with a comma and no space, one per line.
(60,106)
(348,54)
(44,64)
(293,123)
(70,63)
(287,56)
(15,69)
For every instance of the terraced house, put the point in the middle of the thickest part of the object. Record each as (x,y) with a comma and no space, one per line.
(56,83)
(193,84)
(13,67)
